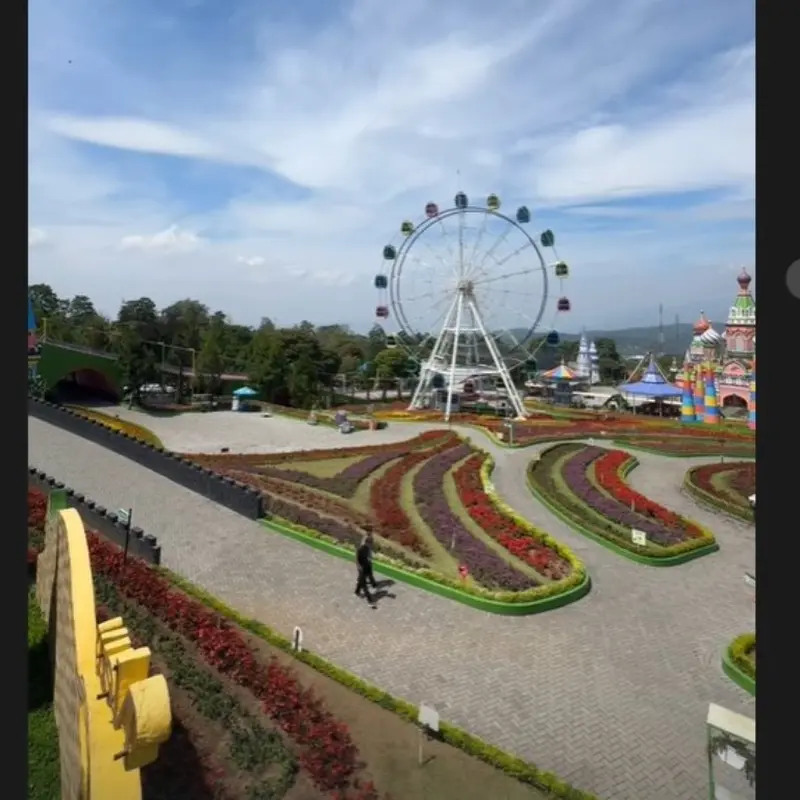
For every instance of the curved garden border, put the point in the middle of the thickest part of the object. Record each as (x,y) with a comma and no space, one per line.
(652,561)
(714,503)
(736,665)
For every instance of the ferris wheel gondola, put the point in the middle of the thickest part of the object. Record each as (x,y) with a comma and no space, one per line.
(466,289)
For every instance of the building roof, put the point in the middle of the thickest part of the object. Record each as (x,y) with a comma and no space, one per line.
(652,383)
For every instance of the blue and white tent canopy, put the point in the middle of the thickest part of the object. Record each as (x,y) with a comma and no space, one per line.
(651,384)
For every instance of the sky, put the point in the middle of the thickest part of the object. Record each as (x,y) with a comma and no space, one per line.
(258,156)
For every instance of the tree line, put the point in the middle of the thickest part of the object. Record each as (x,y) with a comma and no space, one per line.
(302,366)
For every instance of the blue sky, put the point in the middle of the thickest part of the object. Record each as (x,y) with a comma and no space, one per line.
(258,156)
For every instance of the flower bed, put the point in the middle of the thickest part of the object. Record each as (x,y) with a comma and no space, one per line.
(725,486)
(484,565)
(523,543)
(585,485)
(303,504)
(133,430)
(219,656)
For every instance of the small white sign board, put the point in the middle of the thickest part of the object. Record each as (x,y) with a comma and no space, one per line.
(123,515)
(752,500)
(591,442)
(638,537)
(750,580)
(428,721)
(297,640)
(428,717)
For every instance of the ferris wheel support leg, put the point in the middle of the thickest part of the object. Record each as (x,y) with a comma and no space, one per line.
(502,369)
(426,372)
(454,357)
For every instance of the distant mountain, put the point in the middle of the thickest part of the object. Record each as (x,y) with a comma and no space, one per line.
(637,341)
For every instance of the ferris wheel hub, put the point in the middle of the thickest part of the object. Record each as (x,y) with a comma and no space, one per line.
(467,288)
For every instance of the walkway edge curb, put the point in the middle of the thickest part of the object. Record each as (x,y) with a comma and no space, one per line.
(420,582)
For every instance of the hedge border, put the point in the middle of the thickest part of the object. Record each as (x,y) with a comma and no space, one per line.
(703,497)
(473,746)
(141,545)
(736,666)
(223,490)
(665,561)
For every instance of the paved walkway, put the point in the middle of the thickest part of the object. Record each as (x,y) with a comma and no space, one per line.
(610,693)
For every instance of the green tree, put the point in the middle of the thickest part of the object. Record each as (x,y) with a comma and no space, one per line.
(391,366)
(210,363)
(609,362)
(268,367)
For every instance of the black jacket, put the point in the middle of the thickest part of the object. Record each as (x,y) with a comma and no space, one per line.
(364,556)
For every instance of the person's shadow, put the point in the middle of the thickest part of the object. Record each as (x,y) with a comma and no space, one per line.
(382,592)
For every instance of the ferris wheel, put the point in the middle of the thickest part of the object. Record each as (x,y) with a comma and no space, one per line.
(467,287)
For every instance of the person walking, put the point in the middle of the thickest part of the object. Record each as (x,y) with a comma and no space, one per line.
(364,564)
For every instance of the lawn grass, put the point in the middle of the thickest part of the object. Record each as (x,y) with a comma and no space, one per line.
(44,771)
(320,468)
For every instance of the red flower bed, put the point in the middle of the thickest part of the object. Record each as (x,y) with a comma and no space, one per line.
(606,470)
(738,479)
(37,508)
(385,497)
(502,529)
(328,752)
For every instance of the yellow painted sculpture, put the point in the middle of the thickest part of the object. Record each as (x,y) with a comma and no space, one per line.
(111,714)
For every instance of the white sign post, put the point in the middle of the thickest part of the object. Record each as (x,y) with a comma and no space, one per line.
(297,640)
(750,579)
(428,721)
(638,537)
(124,515)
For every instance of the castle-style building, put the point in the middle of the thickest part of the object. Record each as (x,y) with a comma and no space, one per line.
(587,366)
(729,356)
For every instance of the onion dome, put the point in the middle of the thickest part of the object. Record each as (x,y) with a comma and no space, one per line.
(744,280)
(702,325)
(710,337)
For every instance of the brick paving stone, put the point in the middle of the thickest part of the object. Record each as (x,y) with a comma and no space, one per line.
(610,693)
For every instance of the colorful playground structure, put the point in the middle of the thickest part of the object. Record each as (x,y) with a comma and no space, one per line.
(719,370)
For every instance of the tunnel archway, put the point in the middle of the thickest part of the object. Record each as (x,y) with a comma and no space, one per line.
(84,386)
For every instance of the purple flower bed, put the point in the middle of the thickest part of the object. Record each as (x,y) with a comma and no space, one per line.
(485,566)
(345,484)
(346,534)
(574,474)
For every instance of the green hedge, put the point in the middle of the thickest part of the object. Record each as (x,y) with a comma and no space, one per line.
(510,765)
(738,664)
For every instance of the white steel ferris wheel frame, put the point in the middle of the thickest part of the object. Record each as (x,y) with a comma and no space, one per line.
(464,320)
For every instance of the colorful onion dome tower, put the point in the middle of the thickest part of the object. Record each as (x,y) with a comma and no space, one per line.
(687,398)
(751,406)
(740,328)
(696,352)
(699,393)
(711,411)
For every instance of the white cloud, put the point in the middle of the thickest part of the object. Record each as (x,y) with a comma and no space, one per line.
(36,236)
(170,240)
(309,143)
(251,261)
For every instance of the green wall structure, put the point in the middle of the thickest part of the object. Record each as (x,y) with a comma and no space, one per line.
(90,368)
